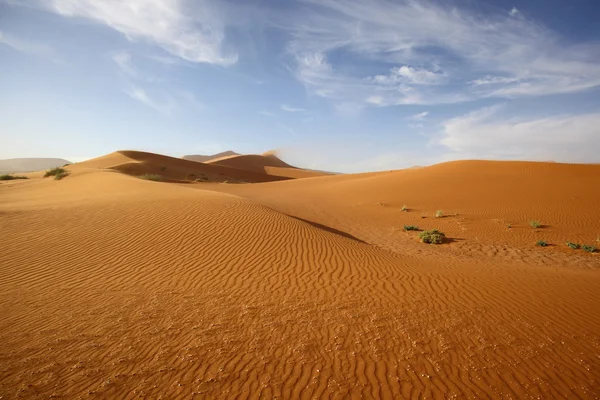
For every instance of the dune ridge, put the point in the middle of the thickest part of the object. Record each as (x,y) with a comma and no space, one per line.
(267,163)
(117,287)
(204,158)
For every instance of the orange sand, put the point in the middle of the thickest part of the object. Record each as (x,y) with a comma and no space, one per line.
(117,287)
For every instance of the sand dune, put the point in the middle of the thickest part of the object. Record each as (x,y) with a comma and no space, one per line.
(266,163)
(170,169)
(202,158)
(30,164)
(117,287)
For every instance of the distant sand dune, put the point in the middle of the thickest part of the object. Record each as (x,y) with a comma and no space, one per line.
(266,163)
(30,164)
(172,169)
(117,287)
(202,158)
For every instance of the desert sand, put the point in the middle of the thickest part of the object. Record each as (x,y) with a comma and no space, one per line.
(113,286)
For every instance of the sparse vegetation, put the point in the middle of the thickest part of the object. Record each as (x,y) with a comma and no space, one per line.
(152,177)
(404,208)
(56,171)
(410,228)
(535,224)
(432,237)
(542,243)
(60,175)
(8,177)
(439,214)
(589,248)
(202,179)
(574,246)
(509,226)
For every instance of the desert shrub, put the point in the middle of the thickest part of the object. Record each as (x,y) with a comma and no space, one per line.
(404,208)
(439,214)
(152,177)
(589,248)
(60,175)
(574,246)
(8,177)
(432,237)
(535,224)
(163,168)
(541,243)
(55,171)
(202,179)
(411,228)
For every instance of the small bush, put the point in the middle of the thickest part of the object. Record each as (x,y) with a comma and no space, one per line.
(152,177)
(432,237)
(202,179)
(439,214)
(163,168)
(588,248)
(535,224)
(56,171)
(404,208)
(541,243)
(60,175)
(574,246)
(8,177)
(410,228)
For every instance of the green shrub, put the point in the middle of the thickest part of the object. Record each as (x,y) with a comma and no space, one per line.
(56,171)
(588,248)
(152,177)
(60,175)
(9,177)
(432,237)
(404,208)
(535,224)
(541,243)
(411,228)
(439,214)
(574,246)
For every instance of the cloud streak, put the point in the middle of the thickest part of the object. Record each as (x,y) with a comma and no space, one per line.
(431,53)
(486,134)
(196,37)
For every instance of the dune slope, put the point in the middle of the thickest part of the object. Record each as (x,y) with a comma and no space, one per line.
(116,287)
(203,158)
(487,205)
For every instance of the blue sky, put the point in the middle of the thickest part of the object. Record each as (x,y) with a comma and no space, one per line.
(332,84)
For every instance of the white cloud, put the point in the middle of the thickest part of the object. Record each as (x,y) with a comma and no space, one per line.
(287,108)
(420,116)
(430,53)
(409,75)
(29,47)
(139,94)
(126,66)
(485,134)
(266,113)
(196,37)
(514,11)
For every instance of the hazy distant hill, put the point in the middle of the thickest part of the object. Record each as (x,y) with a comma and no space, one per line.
(201,158)
(30,164)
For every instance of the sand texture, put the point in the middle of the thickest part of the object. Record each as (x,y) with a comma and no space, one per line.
(116,287)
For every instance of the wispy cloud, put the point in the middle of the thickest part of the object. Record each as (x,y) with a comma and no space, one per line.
(196,37)
(30,47)
(266,113)
(287,108)
(420,116)
(139,94)
(486,134)
(126,66)
(430,53)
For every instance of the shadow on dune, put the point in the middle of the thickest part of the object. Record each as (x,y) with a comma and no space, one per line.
(327,228)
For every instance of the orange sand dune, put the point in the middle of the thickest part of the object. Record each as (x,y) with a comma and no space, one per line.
(171,169)
(266,163)
(117,287)
(487,203)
